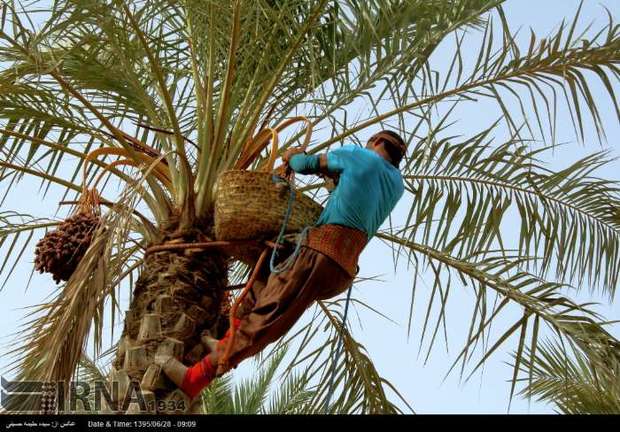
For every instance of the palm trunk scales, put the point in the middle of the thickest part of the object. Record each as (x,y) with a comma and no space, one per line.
(177,296)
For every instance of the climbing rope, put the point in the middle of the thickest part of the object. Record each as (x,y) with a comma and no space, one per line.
(286,264)
(343,327)
(223,360)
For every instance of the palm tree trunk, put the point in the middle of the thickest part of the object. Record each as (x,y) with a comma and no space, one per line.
(177,296)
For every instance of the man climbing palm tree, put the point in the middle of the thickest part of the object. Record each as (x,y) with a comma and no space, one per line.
(369,186)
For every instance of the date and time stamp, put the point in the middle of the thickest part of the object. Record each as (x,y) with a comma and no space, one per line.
(143,424)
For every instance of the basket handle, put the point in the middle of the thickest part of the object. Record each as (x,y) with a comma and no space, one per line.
(274,150)
(258,143)
(286,123)
(255,145)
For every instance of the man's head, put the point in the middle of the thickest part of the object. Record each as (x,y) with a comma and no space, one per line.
(389,145)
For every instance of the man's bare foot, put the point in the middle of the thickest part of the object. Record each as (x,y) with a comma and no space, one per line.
(174,369)
(209,341)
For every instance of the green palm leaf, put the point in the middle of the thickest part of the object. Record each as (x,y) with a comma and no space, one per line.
(196,79)
(577,383)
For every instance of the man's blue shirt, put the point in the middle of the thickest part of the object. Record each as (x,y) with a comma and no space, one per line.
(368,188)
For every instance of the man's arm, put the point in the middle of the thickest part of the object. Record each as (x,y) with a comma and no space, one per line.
(309,164)
(330,164)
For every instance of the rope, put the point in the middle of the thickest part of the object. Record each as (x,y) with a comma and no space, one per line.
(300,239)
(287,264)
(223,361)
(343,327)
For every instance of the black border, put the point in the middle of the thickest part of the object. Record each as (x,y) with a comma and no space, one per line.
(428,423)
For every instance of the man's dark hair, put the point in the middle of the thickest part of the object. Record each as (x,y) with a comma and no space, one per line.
(395,147)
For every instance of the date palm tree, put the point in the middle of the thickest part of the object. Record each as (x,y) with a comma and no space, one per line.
(149,101)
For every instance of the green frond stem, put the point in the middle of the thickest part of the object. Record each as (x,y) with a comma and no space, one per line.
(199,85)
(210,115)
(243,130)
(203,197)
(183,179)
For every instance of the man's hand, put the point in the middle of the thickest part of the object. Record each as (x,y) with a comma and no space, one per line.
(288,154)
(285,170)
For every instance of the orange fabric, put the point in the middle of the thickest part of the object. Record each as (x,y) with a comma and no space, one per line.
(198,376)
(342,244)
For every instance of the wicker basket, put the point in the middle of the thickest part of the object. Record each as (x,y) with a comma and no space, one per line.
(249,205)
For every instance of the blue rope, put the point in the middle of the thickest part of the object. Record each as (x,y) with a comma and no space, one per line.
(340,339)
(289,262)
(289,210)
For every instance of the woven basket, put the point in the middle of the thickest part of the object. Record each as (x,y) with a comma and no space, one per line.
(250,206)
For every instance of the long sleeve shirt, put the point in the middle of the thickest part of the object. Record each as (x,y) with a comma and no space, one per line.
(369,187)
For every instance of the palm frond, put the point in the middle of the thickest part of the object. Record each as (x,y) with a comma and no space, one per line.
(258,394)
(464,192)
(291,396)
(557,63)
(541,302)
(217,398)
(13,227)
(251,394)
(357,386)
(575,382)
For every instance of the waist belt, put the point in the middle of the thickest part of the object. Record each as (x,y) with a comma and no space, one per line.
(342,244)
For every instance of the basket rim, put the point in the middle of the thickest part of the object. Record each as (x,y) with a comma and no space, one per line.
(299,196)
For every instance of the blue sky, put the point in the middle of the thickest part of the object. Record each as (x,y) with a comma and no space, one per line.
(398,359)
(396,356)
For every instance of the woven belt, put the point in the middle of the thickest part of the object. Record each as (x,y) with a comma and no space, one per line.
(342,244)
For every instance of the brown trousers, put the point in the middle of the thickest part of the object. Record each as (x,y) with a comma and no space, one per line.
(276,301)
